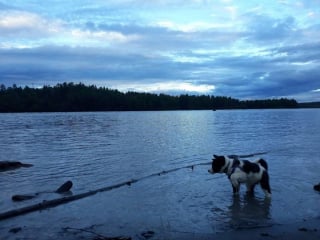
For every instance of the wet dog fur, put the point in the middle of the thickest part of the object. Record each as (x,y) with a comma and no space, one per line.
(243,171)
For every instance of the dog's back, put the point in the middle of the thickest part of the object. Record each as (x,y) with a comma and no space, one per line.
(263,163)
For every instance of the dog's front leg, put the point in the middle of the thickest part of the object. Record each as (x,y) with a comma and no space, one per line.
(235,185)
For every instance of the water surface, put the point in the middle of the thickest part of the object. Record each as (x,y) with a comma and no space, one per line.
(98,149)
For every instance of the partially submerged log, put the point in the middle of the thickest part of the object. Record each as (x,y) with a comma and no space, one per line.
(64,188)
(11,165)
(19,198)
(55,202)
(234,156)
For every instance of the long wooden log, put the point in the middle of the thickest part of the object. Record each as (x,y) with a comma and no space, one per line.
(234,156)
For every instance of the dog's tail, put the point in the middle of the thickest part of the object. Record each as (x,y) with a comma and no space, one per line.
(263,163)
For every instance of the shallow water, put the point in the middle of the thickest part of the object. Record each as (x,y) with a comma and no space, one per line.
(95,150)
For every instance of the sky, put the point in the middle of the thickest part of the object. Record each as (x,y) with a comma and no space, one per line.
(244,49)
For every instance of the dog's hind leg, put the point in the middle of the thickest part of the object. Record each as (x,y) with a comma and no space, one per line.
(250,188)
(264,183)
(235,189)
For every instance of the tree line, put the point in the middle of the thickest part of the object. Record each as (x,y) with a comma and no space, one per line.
(79,97)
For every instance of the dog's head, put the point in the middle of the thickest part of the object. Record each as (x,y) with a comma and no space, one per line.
(219,163)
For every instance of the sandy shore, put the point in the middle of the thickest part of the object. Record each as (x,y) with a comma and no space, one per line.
(306,229)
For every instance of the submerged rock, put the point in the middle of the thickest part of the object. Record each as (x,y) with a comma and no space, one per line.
(19,198)
(148,234)
(317,187)
(11,165)
(15,230)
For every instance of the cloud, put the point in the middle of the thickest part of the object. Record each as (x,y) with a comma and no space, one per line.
(26,24)
(195,26)
(264,28)
(168,87)
(285,71)
(74,64)
(16,26)
(78,37)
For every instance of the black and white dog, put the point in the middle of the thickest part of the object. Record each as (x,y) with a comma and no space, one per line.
(243,171)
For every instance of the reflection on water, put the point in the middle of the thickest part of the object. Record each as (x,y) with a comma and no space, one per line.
(248,211)
(243,211)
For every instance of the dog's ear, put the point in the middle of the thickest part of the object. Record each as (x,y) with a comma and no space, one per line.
(215,156)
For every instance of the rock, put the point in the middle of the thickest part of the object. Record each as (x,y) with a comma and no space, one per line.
(148,234)
(11,165)
(264,234)
(303,229)
(317,187)
(15,230)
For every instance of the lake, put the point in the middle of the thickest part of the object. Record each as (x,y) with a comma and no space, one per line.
(98,149)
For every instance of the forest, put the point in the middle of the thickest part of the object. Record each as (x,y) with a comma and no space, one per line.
(69,97)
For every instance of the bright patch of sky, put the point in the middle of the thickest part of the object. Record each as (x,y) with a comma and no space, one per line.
(243,49)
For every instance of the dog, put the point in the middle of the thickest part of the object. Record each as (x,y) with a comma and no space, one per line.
(243,171)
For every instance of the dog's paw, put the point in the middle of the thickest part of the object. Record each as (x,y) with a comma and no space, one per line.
(268,195)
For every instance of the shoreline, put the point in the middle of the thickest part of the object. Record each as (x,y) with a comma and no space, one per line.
(304,229)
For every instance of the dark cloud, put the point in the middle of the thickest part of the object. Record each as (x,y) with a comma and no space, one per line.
(265,28)
(58,64)
(300,53)
(242,77)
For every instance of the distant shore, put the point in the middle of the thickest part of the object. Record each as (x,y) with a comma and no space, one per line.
(309,105)
(71,97)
